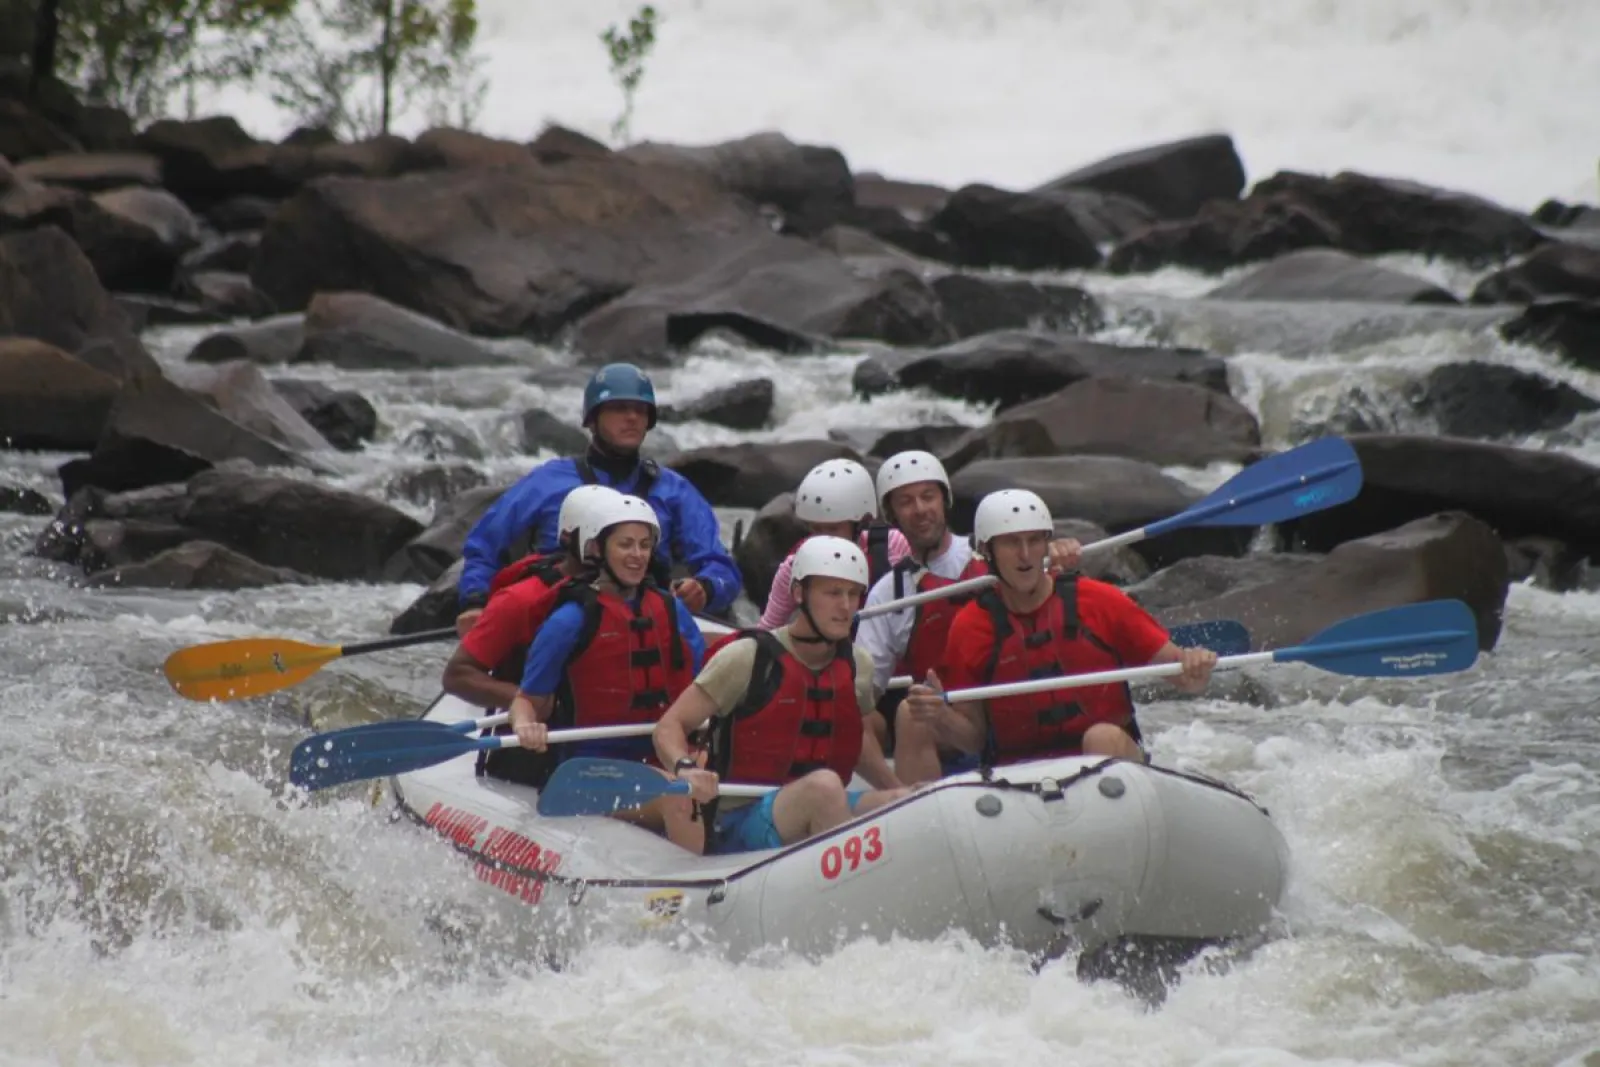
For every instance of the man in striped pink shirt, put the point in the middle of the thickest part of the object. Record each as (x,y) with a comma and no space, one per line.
(837,498)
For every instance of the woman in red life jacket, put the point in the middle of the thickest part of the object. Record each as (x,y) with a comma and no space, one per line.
(614,649)
(836,498)
(487,665)
(786,707)
(1038,623)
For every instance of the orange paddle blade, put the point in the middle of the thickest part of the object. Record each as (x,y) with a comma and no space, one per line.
(248,667)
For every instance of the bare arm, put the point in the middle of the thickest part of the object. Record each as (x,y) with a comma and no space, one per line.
(470,680)
(873,766)
(1197,664)
(688,713)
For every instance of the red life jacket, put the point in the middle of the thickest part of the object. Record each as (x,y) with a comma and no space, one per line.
(536,598)
(792,720)
(1040,725)
(544,566)
(630,662)
(931,626)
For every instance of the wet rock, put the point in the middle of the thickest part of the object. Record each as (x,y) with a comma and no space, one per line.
(749,475)
(1441,556)
(445,146)
(156,433)
(271,341)
(1160,422)
(1012,366)
(20,500)
(557,144)
(540,431)
(93,172)
(1174,179)
(437,547)
(503,251)
(782,287)
(435,609)
(684,329)
(1327,274)
(989,227)
(1518,492)
(112,543)
(810,185)
(974,305)
(935,439)
(49,400)
(1351,212)
(198,565)
(1120,566)
(431,485)
(242,213)
(285,522)
(1104,218)
(343,417)
(49,291)
(145,310)
(26,134)
(1114,493)
(224,295)
(436,441)
(745,405)
(771,536)
(163,229)
(1546,562)
(230,252)
(1488,400)
(1558,269)
(1570,328)
(357,331)
(241,392)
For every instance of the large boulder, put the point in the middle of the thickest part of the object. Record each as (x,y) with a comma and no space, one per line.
(287,522)
(435,609)
(1174,179)
(1285,600)
(989,227)
(509,250)
(750,475)
(975,304)
(271,341)
(780,284)
(810,185)
(1328,274)
(162,230)
(745,405)
(1519,492)
(49,400)
(1115,494)
(1351,212)
(1012,366)
(197,565)
(1570,328)
(93,172)
(358,331)
(49,291)
(1161,422)
(242,393)
(435,548)
(766,543)
(344,418)
(1560,268)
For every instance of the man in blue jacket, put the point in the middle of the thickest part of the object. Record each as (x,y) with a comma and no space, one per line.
(619,408)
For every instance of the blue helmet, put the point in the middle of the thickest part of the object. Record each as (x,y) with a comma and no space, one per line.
(618,381)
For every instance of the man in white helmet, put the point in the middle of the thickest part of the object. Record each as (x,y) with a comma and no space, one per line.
(1035,624)
(836,498)
(786,709)
(914,492)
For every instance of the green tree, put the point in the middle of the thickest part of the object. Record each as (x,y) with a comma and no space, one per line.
(628,53)
(355,66)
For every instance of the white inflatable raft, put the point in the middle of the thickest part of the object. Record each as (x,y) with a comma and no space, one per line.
(1045,855)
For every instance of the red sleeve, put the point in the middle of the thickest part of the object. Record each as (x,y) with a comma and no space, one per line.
(967,649)
(1114,617)
(505,625)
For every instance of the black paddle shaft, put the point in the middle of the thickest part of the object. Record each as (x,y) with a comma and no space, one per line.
(383,644)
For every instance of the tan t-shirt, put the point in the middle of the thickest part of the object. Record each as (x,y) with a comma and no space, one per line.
(726,678)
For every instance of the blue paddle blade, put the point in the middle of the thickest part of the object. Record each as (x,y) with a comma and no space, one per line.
(1222,636)
(585,786)
(1319,475)
(1434,637)
(357,753)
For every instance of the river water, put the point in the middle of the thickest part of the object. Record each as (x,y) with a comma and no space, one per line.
(165,899)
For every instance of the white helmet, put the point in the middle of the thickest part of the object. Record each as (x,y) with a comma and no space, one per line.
(829,557)
(1010,511)
(838,490)
(909,468)
(577,504)
(614,512)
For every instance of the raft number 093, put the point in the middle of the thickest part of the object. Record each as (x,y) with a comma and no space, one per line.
(865,847)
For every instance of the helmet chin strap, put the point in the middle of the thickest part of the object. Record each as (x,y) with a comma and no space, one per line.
(816,637)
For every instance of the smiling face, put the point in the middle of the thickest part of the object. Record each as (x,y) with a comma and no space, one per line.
(627,548)
(833,603)
(918,509)
(622,424)
(1018,558)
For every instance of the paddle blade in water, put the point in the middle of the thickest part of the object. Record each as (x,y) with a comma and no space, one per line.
(1222,636)
(356,753)
(252,666)
(1435,637)
(584,786)
(1315,476)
